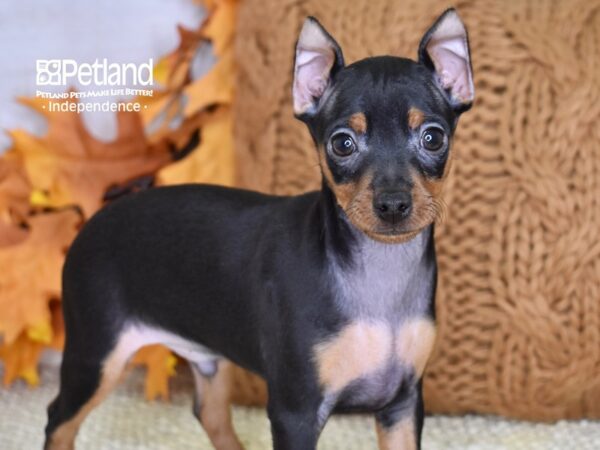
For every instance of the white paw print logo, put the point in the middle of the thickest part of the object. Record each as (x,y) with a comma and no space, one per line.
(48,72)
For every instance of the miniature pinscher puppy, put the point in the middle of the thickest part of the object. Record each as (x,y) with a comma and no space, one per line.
(328,295)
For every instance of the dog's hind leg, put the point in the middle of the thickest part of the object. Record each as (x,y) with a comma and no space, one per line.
(212,403)
(87,377)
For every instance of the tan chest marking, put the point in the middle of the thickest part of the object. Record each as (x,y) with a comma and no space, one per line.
(414,343)
(362,348)
(357,350)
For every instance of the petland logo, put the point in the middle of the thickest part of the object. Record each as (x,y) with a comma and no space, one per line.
(61,72)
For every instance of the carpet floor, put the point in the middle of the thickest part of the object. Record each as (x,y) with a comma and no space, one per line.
(127,422)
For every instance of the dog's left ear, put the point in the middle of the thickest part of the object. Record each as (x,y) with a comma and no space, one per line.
(445,50)
(318,58)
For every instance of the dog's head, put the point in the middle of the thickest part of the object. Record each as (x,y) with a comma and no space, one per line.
(384,125)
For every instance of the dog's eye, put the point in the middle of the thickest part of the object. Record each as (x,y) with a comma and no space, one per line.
(342,144)
(432,139)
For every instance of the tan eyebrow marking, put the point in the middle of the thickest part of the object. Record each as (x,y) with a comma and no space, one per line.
(358,122)
(415,117)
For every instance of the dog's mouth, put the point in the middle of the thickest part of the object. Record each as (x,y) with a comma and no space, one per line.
(393,232)
(382,231)
(392,229)
(399,232)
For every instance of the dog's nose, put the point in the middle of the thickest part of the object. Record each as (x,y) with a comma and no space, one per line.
(393,206)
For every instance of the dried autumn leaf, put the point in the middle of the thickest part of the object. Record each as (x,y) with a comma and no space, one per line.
(14,190)
(160,364)
(11,234)
(162,129)
(172,71)
(165,108)
(214,88)
(184,98)
(31,275)
(73,167)
(14,201)
(213,160)
(21,356)
(20,360)
(220,26)
(156,107)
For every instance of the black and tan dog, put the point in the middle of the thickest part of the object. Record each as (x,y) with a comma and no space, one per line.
(328,295)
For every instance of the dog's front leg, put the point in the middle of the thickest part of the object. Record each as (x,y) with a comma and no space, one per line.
(400,423)
(295,423)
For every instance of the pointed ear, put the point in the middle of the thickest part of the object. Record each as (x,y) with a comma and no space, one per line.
(318,58)
(445,50)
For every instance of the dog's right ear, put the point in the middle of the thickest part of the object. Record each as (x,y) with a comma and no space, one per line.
(445,51)
(318,58)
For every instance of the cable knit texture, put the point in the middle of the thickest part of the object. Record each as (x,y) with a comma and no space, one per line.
(519,250)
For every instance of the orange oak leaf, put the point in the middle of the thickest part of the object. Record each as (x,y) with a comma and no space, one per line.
(160,364)
(172,70)
(20,357)
(220,25)
(31,275)
(216,87)
(15,191)
(20,360)
(213,160)
(154,108)
(10,233)
(182,98)
(163,113)
(14,201)
(72,167)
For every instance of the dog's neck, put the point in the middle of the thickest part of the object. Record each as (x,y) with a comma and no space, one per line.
(375,280)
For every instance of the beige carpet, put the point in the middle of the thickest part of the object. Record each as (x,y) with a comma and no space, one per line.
(127,422)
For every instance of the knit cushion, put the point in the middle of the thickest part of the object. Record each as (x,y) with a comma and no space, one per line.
(519,249)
